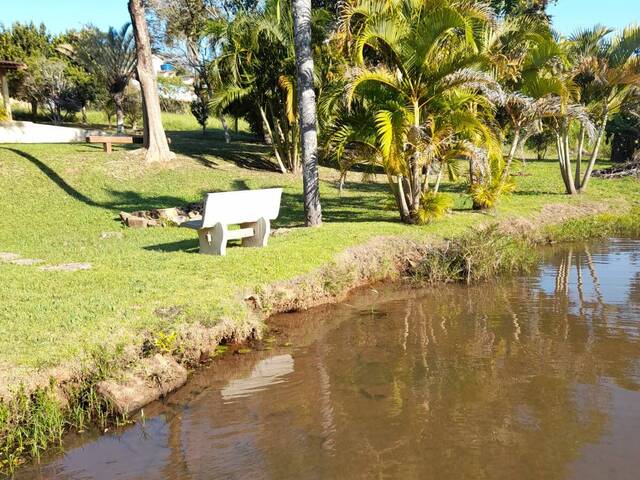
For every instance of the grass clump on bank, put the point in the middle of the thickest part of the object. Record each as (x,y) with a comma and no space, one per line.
(32,422)
(476,256)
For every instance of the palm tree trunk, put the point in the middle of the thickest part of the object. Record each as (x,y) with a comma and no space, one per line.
(118,99)
(307,111)
(512,154)
(438,180)
(581,136)
(267,129)
(225,129)
(571,189)
(154,139)
(398,193)
(594,155)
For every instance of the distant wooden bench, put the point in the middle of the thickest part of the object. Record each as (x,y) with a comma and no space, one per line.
(253,210)
(139,139)
(107,140)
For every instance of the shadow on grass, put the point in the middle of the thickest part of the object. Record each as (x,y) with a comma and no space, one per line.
(55,178)
(243,150)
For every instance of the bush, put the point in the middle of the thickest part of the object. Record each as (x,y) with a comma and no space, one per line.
(433,206)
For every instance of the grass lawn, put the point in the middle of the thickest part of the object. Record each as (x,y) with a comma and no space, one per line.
(57,201)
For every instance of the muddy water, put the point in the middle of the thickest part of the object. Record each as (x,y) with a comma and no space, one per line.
(530,378)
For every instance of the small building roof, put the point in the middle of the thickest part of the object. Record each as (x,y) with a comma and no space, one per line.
(6,65)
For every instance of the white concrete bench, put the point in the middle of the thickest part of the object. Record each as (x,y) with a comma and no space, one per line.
(253,210)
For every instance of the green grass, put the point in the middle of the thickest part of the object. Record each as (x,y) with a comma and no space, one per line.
(57,200)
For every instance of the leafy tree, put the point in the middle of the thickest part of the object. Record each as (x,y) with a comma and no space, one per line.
(47,83)
(24,42)
(509,8)
(194,26)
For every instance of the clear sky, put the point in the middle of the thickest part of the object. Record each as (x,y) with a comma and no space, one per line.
(569,15)
(60,15)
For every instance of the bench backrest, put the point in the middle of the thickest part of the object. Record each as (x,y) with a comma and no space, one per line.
(242,206)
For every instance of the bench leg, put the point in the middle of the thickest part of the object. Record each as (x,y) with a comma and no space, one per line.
(261,229)
(213,241)
(107,147)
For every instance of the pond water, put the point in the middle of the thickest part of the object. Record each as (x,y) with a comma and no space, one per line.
(533,377)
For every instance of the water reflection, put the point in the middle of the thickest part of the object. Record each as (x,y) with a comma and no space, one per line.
(531,378)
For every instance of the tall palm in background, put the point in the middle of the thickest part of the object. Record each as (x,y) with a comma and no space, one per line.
(111,58)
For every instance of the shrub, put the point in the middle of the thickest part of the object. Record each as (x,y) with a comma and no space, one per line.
(433,206)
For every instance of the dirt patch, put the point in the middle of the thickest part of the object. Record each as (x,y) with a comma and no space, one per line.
(551,214)
(66,267)
(26,261)
(8,256)
(152,378)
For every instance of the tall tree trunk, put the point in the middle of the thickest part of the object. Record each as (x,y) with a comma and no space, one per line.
(154,138)
(307,109)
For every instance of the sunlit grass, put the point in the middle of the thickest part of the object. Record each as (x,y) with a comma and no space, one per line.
(58,201)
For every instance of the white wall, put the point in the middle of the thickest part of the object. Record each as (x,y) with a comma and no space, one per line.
(28,132)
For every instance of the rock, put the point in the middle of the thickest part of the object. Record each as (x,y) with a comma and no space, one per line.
(8,256)
(137,222)
(154,378)
(66,267)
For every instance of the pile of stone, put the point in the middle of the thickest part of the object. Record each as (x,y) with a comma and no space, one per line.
(162,217)
(629,169)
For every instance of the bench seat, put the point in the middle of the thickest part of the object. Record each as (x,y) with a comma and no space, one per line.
(108,140)
(252,210)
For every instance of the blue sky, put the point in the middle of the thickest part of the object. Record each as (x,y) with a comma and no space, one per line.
(60,15)
(568,15)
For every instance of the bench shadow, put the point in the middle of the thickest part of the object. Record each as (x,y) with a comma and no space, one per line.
(186,246)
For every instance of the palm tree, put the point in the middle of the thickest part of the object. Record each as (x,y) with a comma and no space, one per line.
(416,93)
(111,58)
(256,69)
(604,71)
(307,111)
